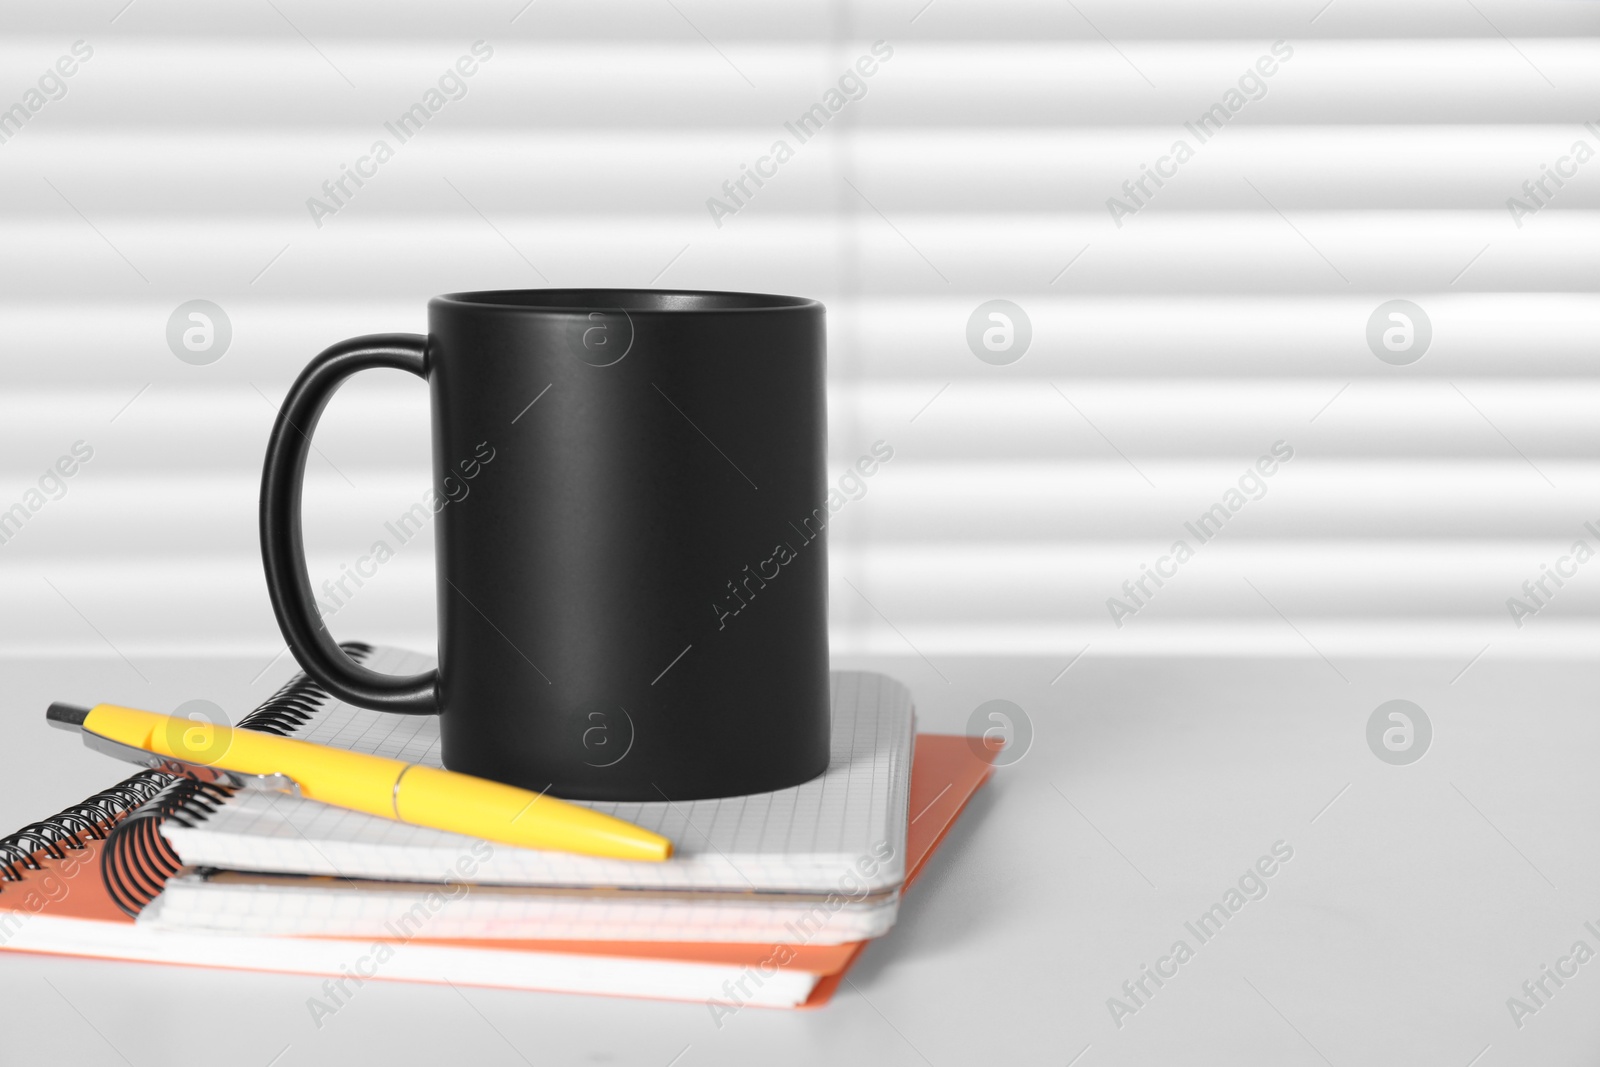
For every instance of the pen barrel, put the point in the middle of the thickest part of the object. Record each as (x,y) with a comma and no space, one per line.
(389,788)
(478,807)
(352,780)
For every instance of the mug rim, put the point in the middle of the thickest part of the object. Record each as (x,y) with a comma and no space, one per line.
(630,301)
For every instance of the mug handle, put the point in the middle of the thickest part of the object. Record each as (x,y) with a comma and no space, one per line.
(283,550)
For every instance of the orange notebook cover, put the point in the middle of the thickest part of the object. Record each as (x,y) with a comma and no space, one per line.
(65,882)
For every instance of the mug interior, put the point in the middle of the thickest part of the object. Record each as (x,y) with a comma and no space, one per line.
(630,300)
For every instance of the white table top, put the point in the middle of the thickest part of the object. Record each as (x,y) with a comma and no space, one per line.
(1418,899)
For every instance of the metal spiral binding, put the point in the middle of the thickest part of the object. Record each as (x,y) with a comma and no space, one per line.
(297,701)
(67,830)
(137,861)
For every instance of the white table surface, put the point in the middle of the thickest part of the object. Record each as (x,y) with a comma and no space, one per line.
(1414,905)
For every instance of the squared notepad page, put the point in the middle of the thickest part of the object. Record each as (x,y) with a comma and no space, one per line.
(829,833)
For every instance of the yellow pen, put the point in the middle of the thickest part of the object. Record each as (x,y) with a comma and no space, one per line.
(388,788)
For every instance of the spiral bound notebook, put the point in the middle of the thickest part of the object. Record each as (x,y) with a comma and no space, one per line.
(73,883)
(69,831)
(850,822)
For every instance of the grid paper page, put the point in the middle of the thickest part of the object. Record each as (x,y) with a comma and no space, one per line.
(819,836)
(363,909)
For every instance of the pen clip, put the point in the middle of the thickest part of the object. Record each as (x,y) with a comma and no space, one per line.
(203,772)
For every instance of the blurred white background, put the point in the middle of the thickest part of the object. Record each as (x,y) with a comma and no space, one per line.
(1228,313)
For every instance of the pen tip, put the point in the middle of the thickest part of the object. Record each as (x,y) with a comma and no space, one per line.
(66,716)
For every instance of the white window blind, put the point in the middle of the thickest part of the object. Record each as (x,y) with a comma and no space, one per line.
(1180,329)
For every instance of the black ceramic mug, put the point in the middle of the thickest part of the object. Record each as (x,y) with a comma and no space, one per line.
(632,576)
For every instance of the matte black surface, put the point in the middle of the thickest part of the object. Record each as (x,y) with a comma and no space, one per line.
(283,552)
(619,478)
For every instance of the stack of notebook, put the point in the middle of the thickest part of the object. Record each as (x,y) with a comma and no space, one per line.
(768,899)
